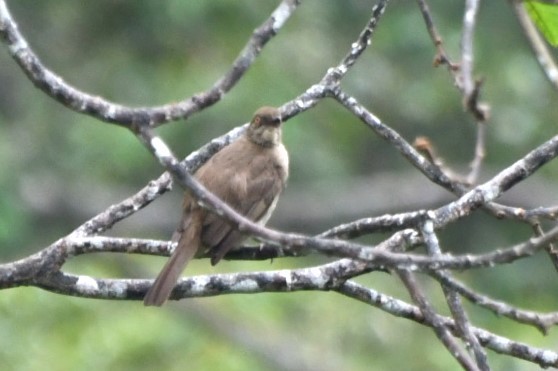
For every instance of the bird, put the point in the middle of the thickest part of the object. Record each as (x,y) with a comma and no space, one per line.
(249,175)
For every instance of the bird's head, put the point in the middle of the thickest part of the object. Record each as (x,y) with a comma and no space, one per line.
(265,127)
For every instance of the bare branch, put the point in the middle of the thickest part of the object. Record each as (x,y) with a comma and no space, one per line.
(480,153)
(542,321)
(463,77)
(407,150)
(542,357)
(333,76)
(459,315)
(396,252)
(471,88)
(55,87)
(323,277)
(47,262)
(433,320)
(124,209)
(441,57)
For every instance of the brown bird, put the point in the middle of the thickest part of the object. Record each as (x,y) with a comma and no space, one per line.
(249,174)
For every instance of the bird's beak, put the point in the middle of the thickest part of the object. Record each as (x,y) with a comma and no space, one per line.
(276,121)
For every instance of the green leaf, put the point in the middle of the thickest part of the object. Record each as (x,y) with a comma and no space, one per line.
(545,16)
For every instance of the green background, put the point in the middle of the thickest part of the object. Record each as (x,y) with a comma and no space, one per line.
(59,168)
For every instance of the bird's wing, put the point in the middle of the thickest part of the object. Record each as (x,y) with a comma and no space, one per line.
(250,192)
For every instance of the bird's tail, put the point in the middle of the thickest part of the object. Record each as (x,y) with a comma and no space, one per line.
(188,244)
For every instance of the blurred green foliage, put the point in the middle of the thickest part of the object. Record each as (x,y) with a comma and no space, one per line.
(55,162)
(545,16)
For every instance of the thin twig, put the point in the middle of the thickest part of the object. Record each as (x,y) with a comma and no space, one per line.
(550,248)
(543,357)
(467,54)
(480,153)
(459,315)
(432,319)
(441,57)
(115,213)
(542,321)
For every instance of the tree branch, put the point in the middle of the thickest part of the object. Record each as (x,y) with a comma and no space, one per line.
(44,268)
(542,357)
(79,101)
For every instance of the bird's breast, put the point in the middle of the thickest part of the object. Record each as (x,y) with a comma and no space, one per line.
(282,159)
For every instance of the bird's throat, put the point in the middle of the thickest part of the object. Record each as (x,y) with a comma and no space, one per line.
(265,136)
